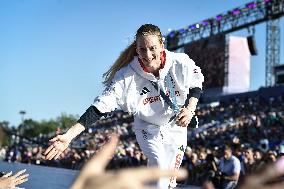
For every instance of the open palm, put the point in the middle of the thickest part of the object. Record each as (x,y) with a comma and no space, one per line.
(58,145)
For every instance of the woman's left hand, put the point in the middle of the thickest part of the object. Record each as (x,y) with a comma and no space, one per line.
(184,117)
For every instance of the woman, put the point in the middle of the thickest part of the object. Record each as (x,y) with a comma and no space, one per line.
(139,82)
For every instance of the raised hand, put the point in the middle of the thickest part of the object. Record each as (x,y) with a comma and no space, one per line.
(8,181)
(269,178)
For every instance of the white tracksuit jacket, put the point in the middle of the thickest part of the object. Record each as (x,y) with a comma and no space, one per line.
(162,142)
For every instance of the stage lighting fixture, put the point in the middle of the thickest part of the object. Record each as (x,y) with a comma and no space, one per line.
(219,17)
(205,22)
(192,27)
(251,5)
(236,11)
(172,34)
(181,31)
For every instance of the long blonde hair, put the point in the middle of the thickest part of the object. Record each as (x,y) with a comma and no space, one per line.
(128,54)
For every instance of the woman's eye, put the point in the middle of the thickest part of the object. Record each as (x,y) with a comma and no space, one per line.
(153,48)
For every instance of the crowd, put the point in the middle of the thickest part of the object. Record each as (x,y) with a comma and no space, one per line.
(250,127)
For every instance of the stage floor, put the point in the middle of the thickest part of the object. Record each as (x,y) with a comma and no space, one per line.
(49,177)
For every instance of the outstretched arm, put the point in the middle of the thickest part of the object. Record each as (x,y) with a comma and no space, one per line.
(106,102)
(61,142)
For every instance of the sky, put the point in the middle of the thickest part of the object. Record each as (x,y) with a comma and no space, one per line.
(53,52)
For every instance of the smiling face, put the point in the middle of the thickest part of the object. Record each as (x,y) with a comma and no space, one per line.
(149,50)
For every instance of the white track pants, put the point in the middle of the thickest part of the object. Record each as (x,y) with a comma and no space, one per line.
(164,148)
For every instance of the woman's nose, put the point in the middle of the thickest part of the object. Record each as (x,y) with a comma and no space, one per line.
(148,54)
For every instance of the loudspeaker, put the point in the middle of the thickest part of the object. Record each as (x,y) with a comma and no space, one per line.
(251,45)
(279,79)
(279,74)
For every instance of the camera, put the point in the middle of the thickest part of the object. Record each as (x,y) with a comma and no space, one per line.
(264,145)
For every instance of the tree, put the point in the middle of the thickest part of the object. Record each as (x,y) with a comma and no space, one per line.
(31,128)
(4,133)
(65,121)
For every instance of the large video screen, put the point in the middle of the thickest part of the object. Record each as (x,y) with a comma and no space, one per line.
(209,55)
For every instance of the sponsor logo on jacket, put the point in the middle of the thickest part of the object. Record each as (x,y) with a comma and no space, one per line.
(176,166)
(145,90)
(152,99)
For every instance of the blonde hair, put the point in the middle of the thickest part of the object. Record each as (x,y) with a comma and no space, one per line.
(128,54)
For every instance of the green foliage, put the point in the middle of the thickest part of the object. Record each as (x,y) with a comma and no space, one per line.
(4,133)
(31,128)
(65,121)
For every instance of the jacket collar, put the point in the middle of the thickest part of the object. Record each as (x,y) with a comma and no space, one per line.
(135,65)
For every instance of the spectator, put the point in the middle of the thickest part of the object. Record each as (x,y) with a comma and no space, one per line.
(271,157)
(259,161)
(249,163)
(230,168)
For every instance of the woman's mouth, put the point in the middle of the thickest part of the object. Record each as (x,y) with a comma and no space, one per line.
(148,60)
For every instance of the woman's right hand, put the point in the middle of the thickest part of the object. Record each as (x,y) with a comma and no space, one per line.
(58,145)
